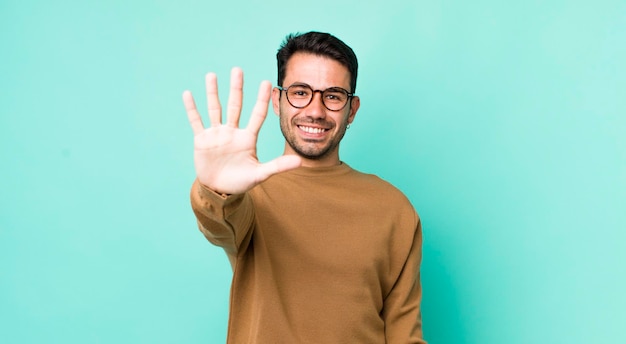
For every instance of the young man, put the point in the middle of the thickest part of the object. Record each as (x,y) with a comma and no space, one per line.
(321,253)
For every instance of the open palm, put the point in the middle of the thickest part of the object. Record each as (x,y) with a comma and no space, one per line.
(225,155)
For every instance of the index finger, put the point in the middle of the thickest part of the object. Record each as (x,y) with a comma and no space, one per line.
(259,112)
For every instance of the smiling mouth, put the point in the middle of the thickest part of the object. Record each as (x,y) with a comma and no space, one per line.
(312,130)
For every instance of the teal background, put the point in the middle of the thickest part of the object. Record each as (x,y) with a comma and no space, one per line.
(503,122)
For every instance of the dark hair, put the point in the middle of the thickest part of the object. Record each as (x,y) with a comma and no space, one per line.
(318,43)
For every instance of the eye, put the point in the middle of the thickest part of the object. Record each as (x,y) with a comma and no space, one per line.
(335,96)
(299,91)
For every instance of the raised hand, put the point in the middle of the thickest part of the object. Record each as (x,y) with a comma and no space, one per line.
(224,154)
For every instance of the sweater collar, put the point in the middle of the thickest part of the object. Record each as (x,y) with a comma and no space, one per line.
(342,168)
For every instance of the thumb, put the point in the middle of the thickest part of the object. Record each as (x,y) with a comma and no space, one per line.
(278,165)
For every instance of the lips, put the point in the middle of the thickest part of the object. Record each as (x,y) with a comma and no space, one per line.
(312,130)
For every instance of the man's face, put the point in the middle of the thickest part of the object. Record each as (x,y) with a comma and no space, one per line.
(314,132)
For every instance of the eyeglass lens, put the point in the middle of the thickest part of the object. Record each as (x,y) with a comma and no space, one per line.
(300,96)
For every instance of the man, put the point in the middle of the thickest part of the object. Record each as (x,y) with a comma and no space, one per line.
(320,253)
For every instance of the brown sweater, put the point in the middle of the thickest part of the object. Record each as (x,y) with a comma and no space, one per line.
(319,255)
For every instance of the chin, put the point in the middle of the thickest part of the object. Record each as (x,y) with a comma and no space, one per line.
(312,154)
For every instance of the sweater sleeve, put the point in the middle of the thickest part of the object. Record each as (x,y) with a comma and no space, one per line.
(402,310)
(226,221)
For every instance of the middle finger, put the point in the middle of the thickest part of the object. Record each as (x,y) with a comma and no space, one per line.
(235,97)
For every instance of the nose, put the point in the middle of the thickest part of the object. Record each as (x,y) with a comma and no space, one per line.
(316,107)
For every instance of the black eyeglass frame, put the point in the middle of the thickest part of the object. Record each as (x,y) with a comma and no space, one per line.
(350,95)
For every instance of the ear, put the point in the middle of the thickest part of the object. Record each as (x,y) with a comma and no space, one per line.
(276,100)
(355,103)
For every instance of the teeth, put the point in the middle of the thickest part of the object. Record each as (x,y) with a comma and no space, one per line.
(312,130)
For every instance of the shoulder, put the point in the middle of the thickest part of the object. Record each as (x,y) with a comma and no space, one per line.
(375,183)
(385,193)
(390,207)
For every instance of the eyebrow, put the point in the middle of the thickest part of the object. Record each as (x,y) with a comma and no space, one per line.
(297,83)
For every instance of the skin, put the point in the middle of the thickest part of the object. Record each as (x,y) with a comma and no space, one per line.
(317,149)
(225,155)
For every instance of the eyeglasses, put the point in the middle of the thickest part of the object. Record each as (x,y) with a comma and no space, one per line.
(301,95)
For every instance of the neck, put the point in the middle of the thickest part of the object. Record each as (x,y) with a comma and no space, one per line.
(319,163)
(329,160)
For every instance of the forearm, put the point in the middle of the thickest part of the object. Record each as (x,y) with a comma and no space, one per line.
(402,309)
(225,221)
